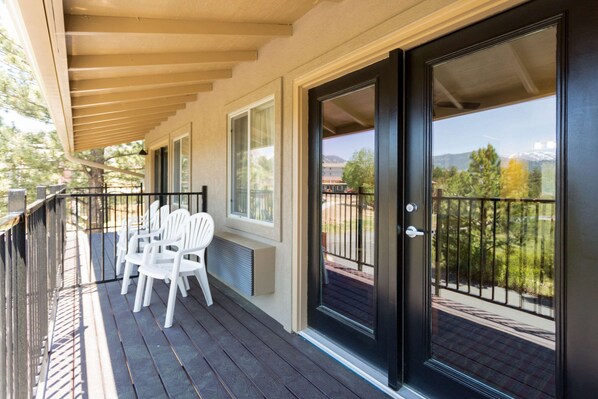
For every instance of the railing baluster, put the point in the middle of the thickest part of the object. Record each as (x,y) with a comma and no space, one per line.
(458,242)
(508,252)
(447,249)
(494,216)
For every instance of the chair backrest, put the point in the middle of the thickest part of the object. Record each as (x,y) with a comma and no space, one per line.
(198,232)
(153,212)
(175,223)
(159,218)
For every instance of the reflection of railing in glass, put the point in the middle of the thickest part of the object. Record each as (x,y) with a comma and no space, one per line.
(261,204)
(496,249)
(348,227)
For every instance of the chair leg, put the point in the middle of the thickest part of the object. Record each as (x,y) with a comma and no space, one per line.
(139,293)
(126,278)
(148,291)
(186,280)
(181,284)
(119,261)
(202,277)
(171,303)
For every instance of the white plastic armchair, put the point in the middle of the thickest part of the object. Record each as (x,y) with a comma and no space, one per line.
(159,263)
(149,221)
(171,230)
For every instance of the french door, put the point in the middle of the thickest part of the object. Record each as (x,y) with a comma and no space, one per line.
(353,269)
(484,161)
(465,268)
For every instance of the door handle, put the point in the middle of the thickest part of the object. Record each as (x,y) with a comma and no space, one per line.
(412,232)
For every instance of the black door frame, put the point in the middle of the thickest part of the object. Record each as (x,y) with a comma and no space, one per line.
(431,376)
(382,347)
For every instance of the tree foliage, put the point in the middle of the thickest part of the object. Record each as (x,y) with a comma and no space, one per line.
(360,171)
(18,89)
(29,159)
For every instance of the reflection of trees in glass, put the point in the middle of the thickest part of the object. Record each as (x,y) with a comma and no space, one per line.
(501,232)
(360,171)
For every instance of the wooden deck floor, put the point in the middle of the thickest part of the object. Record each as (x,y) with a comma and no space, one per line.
(228,350)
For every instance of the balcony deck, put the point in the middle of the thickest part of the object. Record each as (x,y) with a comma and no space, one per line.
(228,350)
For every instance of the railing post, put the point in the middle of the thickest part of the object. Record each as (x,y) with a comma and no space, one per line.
(360,229)
(17,204)
(204,198)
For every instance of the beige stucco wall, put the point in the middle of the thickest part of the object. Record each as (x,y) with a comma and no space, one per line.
(330,31)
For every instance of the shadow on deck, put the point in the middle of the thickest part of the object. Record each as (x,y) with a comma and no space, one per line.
(228,350)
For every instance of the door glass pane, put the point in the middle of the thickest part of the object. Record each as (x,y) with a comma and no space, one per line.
(348,165)
(493,187)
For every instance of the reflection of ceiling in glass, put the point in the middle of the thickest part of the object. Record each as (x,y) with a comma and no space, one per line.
(349,113)
(518,70)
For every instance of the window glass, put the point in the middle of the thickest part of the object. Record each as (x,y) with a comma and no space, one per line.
(252,163)
(182,169)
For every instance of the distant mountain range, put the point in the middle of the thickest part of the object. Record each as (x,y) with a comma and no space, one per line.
(332,159)
(461,161)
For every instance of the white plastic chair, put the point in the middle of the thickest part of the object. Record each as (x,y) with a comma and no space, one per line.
(147,222)
(172,229)
(159,263)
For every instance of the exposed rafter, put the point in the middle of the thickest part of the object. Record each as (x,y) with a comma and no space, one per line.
(121,124)
(115,131)
(353,114)
(123,115)
(111,136)
(522,71)
(108,120)
(454,100)
(119,107)
(86,25)
(126,121)
(137,95)
(91,62)
(93,86)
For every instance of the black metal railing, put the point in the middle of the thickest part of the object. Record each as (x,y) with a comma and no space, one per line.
(105,189)
(496,249)
(261,204)
(95,219)
(31,262)
(348,230)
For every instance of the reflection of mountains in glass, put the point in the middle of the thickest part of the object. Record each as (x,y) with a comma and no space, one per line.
(534,159)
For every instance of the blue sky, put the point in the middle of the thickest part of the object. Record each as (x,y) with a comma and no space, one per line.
(511,129)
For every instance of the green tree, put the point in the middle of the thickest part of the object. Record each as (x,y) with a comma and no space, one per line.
(360,171)
(484,169)
(28,159)
(18,89)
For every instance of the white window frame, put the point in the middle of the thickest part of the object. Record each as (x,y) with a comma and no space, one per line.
(269,230)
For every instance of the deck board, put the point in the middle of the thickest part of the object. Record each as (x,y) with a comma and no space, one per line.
(228,350)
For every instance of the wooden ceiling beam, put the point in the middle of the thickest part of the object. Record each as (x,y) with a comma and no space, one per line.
(122,124)
(136,95)
(93,25)
(123,115)
(353,114)
(102,121)
(116,131)
(96,62)
(126,121)
(83,146)
(111,136)
(119,107)
(92,86)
